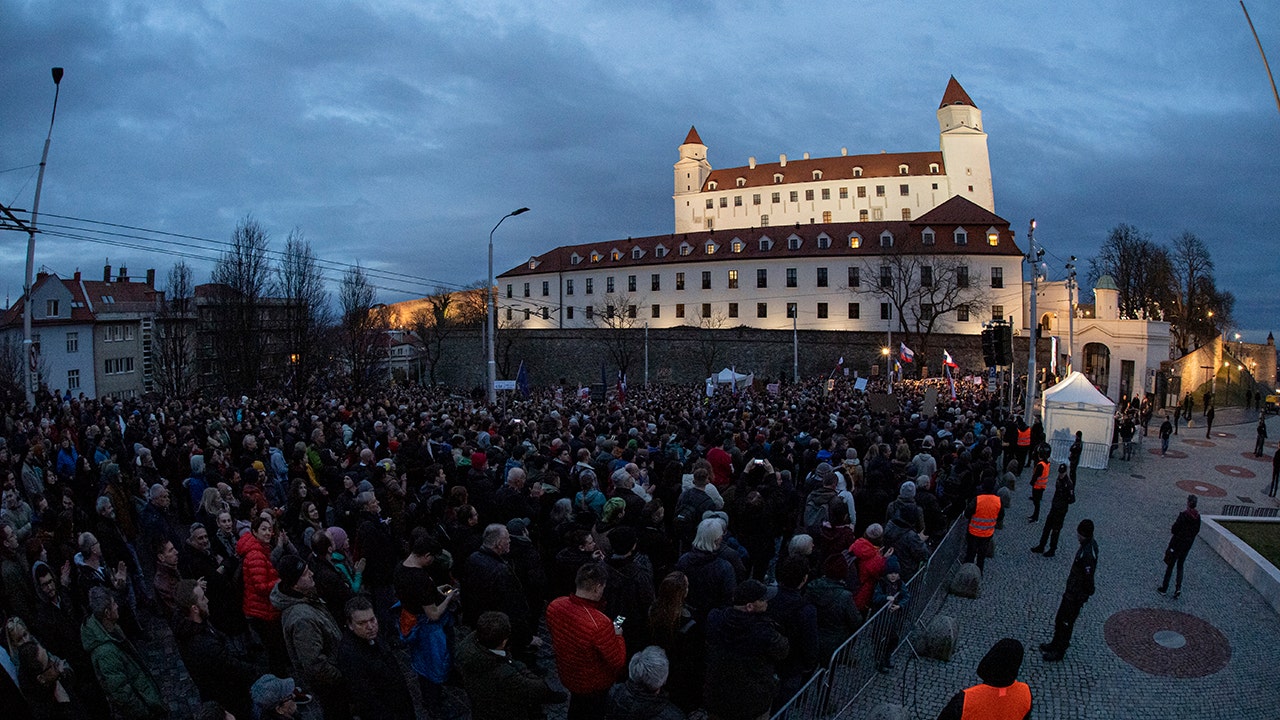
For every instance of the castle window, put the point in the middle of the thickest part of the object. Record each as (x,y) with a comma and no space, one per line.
(906,213)
(993,237)
(762,310)
(711,204)
(546,288)
(794,242)
(595,256)
(574,259)
(733,310)
(636,253)
(685,249)
(791,278)
(724,202)
(679,310)
(608,285)
(862,191)
(862,216)
(733,279)
(817,174)
(766,244)
(615,255)
(904,190)
(855,276)
(568,286)
(855,240)
(655,282)
(777,178)
(855,311)
(857,172)
(711,185)
(546,313)
(997,282)
(737,201)
(762,278)
(711,248)
(631,283)
(679,281)
(775,197)
(826,216)
(706,279)
(808,194)
(822,277)
(927,237)
(904,170)
(824,240)
(742,182)
(879,191)
(590,285)
(737,245)
(655,311)
(533,264)
(961,237)
(795,196)
(764,221)
(755,199)
(886,239)
(826,193)
(568,312)
(844,193)
(933,170)
(822,311)
(660,251)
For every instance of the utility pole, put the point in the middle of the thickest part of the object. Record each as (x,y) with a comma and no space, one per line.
(1033,258)
(646,354)
(1071,315)
(29,358)
(795,347)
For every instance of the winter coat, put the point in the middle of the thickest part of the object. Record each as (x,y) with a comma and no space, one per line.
(630,701)
(260,577)
(797,619)
(331,585)
(907,547)
(838,617)
(590,656)
(311,636)
(1184,530)
(629,593)
(500,688)
(219,673)
(489,583)
(378,687)
(743,649)
(870,569)
(128,684)
(711,581)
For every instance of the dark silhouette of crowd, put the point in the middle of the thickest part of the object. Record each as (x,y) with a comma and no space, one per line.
(389,555)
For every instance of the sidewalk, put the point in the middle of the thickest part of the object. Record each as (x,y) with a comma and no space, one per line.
(1209,654)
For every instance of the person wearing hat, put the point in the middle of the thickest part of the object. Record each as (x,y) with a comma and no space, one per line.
(273,698)
(743,649)
(1080,586)
(892,595)
(1184,530)
(1064,493)
(311,636)
(1000,695)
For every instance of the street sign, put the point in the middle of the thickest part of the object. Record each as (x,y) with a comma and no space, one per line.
(504,384)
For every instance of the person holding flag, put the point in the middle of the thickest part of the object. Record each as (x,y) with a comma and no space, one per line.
(947,366)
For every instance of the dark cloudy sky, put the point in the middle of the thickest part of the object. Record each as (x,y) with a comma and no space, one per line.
(396,133)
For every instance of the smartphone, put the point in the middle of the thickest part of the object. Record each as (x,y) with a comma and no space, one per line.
(619,620)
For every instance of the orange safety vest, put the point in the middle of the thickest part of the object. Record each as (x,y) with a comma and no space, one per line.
(1024,438)
(1041,480)
(984,702)
(983,522)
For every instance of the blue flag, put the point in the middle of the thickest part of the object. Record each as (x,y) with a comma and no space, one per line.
(522,380)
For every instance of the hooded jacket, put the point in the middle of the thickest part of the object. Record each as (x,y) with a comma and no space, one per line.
(260,577)
(310,635)
(128,684)
(218,673)
(870,569)
(711,580)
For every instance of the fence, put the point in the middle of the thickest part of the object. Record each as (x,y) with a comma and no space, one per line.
(1094,455)
(852,666)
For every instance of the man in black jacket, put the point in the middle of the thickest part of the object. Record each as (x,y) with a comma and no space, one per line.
(1184,531)
(1080,586)
(488,583)
(743,649)
(219,672)
(376,681)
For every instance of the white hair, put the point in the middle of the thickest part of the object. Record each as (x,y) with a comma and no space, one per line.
(649,668)
(800,545)
(709,534)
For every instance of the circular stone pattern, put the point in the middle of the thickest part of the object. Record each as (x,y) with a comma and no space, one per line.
(1175,454)
(1167,642)
(1201,488)
(1251,456)
(1234,471)
(1199,443)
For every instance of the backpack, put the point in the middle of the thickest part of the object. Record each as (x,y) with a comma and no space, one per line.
(689,510)
(817,510)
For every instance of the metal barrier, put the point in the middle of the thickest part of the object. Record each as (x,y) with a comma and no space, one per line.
(1094,455)
(854,664)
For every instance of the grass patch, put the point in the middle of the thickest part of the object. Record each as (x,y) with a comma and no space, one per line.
(1262,537)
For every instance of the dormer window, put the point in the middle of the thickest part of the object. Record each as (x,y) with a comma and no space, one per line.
(533,263)
(742,182)
(595,256)
(794,242)
(933,168)
(636,253)
(711,185)
(904,170)
(711,248)
(855,241)
(857,172)
(685,249)
(574,259)
(962,237)
(737,245)
(615,254)
(824,241)
(766,244)
(993,237)
(660,251)
(777,178)
(886,239)
(817,174)
(927,237)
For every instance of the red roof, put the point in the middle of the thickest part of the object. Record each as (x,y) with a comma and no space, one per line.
(955,95)
(692,138)
(87,300)
(907,238)
(832,168)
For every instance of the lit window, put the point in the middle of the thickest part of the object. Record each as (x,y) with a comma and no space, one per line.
(855,240)
(826,218)
(711,248)
(993,237)
(737,245)
(733,279)
(686,249)
(862,215)
(595,256)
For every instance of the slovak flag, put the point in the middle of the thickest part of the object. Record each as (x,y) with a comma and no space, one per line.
(906,353)
(947,361)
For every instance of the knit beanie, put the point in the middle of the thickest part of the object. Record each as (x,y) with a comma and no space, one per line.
(907,491)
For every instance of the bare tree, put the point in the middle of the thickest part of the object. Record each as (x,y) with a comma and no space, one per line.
(1197,301)
(1142,271)
(922,290)
(11,375)
(432,325)
(364,327)
(616,316)
(175,331)
(243,275)
(707,347)
(307,310)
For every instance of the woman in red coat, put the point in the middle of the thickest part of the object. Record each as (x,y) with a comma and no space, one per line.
(870,565)
(259,577)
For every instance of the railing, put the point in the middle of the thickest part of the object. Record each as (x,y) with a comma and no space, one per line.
(853,665)
(1094,455)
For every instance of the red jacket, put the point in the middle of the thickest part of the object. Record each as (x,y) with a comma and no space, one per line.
(721,467)
(870,570)
(259,577)
(589,654)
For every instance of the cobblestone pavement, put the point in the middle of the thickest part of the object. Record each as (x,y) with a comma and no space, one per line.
(1133,504)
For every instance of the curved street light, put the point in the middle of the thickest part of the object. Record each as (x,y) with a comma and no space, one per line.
(30,358)
(492,376)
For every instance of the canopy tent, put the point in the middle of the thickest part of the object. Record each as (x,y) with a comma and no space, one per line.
(1076,405)
(729,377)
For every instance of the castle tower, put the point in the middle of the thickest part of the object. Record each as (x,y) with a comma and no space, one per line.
(691,171)
(964,146)
(1106,299)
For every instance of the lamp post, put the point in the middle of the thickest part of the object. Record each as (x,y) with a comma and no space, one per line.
(29,356)
(490,393)
(1071,315)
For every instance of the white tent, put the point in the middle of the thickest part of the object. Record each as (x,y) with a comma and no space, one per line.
(729,377)
(1075,404)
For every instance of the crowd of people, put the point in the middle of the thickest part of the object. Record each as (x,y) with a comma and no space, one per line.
(673,552)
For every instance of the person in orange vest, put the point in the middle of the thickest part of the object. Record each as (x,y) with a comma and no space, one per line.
(1039,481)
(1023,448)
(1000,696)
(983,513)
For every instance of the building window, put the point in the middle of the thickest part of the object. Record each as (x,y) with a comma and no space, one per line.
(862,191)
(755,199)
(826,216)
(822,277)
(855,276)
(962,276)
(993,237)
(926,276)
(679,281)
(926,312)
(857,172)
(906,213)
(508,314)
(822,311)
(765,244)
(762,310)
(808,194)
(706,310)
(608,285)
(886,311)
(997,277)
(660,251)
(706,279)
(927,236)
(855,311)
(824,241)
(679,310)
(879,191)
(826,193)
(886,239)
(711,248)
(631,283)
(608,312)
(73,379)
(762,278)
(508,290)
(526,289)
(631,311)
(962,313)
(51,308)
(775,197)
(777,178)
(546,288)
(792,310)
(655,311)
(526,313)
(615,255)
(962,237)
(590,312)
(741,182)
(855,241)
(903,170)
(997,312)
(568,287)
(655,282)
(595,256)
(568,312)
(686,249)
(636,253)
(791,278)
(733,310)
(737,245)
(795,196)
(128,332)
(724,202)
(574,259)
(546,313)
(764,221)
(733,279)
(904,190)
(793,243)
(844,193)
(590,285)
(862,216)
(886,276)
(737,201)
(73,342)
(933,170)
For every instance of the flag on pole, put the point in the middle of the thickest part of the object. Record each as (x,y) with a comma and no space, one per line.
(734,370)
(839,364)
(947,361)
(897,369)
(906,353)
(622,387)
(950,380)
(522,380)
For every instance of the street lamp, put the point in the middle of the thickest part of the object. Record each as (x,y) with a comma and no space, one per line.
(31,248)
(490,393)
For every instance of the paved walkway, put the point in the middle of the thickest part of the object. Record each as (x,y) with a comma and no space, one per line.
(1220,631)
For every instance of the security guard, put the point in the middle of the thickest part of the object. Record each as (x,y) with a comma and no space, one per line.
(1080,586)
(1039,481)
(983,513)
(1000,696)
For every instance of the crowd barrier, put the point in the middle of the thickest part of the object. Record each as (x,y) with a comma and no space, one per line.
(1094,455)
(853,665)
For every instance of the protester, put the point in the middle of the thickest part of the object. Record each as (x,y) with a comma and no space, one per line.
(1184,531)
